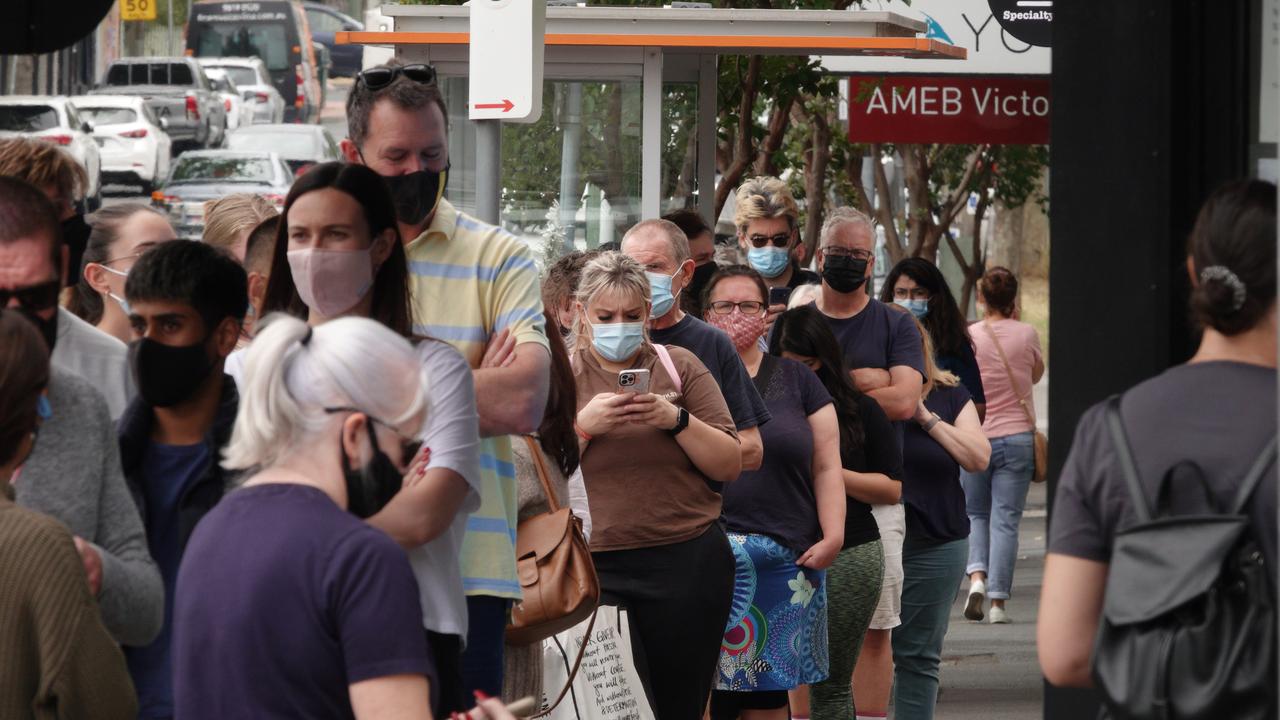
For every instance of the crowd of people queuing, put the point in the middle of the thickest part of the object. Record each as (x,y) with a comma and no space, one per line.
(291,460)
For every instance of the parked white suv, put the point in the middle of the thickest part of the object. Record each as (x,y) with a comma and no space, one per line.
(54,119)
(134,145)
(251,77)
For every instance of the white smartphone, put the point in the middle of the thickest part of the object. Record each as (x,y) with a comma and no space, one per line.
(634,381)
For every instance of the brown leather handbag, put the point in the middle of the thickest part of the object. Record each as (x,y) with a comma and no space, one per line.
(558,581)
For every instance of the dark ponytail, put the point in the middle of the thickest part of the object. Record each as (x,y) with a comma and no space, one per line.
(1233,254)
(805,332)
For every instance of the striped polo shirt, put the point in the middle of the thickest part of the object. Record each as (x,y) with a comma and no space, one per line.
(470,280)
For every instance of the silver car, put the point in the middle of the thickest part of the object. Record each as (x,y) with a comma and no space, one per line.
(202,175)
(250,75)
(301,146)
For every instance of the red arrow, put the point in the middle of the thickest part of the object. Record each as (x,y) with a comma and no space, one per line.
(505,106)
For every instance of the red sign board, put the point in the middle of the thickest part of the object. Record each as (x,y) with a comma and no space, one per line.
(949,109)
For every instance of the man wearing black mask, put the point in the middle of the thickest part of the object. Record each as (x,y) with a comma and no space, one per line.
(73,473)
(883,350)
(187,301)
(476,287)
(702,248)
(75,345)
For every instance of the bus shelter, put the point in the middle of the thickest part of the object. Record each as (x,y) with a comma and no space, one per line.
(628,128)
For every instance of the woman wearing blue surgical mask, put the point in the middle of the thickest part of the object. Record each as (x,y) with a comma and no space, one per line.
(916,285)
(653,440)
(121,233)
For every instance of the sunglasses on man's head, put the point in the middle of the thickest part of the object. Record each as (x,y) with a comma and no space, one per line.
(380,77)
(36,297)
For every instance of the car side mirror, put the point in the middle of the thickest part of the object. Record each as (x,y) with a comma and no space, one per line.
(164,123)
(86,128)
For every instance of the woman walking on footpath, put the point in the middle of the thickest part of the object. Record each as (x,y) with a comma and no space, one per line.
(1009,356)
(785,520)
(1218,411)
(648,460)
(944,437)
(872,470)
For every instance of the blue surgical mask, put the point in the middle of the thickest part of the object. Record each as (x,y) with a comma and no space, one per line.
(660,291)
(617,342)
(770,261)
(919,308)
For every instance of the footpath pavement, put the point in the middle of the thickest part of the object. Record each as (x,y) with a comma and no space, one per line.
(990,672)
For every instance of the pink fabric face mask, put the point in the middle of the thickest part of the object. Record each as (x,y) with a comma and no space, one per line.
(743,330)
(331,281)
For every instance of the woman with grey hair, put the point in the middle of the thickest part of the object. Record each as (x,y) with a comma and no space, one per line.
(654,432)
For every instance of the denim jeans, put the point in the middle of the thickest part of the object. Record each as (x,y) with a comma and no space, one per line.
(994,500)
(931,576)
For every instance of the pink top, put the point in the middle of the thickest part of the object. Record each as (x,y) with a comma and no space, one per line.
(1021,345)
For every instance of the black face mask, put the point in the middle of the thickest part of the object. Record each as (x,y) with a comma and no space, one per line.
(75,236)
(48,328)
(844,274)
(167,375)
(417,194)
(701,274)
(370,488)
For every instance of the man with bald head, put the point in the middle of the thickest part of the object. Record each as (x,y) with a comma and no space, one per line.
(663,250)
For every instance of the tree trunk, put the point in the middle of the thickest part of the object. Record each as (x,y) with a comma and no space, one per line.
(742,154)
(973,270)
(815,177)
(885,215)
(779,120)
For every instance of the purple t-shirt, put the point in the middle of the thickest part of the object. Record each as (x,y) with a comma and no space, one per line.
(932,493)
(284,599)
(778,499)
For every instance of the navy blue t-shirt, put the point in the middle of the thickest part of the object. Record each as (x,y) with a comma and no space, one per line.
(778,499)
(965,367)
(284,599)
(879,337)
(932,494)
(167,472)
(880,452)
(714,348)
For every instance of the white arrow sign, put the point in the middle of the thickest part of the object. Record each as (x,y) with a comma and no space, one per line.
(507,40)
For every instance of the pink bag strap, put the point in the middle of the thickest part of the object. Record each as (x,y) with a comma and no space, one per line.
(664,356)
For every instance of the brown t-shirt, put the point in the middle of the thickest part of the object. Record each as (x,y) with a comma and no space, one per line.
(643,489)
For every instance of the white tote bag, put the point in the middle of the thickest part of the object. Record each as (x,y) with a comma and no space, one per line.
(607,686)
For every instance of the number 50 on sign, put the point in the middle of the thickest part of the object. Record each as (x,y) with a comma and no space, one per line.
(137,9)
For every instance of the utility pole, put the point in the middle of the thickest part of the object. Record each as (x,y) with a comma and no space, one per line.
(172,52)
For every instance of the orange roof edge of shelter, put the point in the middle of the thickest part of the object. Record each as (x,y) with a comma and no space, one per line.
(807,45)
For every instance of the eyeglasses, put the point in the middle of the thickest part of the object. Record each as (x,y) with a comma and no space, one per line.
(746,307)
(780,240)
(409,447)
(915,293)
(380,77)
(36,297)
(836,251)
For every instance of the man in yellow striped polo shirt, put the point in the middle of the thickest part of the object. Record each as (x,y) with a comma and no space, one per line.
(472,284)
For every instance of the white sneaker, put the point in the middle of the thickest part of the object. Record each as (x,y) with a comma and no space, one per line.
(998,616)
(977,596)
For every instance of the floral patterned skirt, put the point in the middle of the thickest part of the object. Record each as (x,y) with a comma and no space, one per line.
(776,637)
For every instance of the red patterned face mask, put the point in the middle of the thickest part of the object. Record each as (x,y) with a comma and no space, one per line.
(743,330)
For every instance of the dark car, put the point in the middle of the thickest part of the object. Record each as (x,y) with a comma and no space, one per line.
(274,30)
(347,60)
(301,146)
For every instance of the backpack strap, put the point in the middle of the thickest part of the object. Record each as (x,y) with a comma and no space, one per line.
(664,356)
(1128,469)
(1264,461)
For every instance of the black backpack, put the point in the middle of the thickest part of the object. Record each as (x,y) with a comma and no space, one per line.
(1188,626)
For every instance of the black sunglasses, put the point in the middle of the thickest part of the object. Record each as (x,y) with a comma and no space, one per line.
(36,297)
(409,447)
(380,77)
(780,240)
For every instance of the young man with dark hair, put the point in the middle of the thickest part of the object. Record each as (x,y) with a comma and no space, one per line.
(186,300)
(474,286)
(73,473)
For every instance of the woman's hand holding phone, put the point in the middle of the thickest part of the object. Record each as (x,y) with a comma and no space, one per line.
(652,410)
(605,412)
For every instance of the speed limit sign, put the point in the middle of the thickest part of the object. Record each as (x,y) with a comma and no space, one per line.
(137,9)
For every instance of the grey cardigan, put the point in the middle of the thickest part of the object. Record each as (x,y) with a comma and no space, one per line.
(74,476)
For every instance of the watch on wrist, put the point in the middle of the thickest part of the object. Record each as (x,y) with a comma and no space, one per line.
(931,422)
(682,422)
